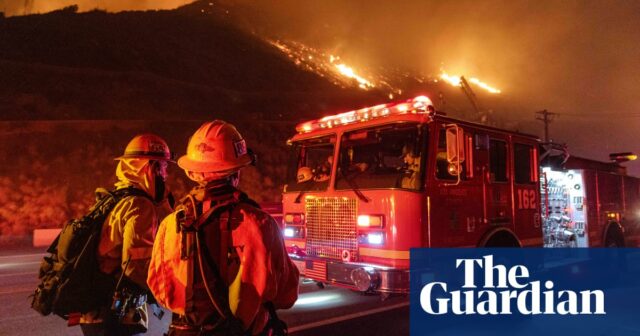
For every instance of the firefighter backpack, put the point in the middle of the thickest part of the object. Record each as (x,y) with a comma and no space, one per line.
(70,279)
(177,248)
(178,251)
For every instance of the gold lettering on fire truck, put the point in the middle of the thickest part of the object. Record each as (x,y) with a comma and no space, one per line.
(526,199)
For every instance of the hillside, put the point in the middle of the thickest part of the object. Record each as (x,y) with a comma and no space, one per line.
(153,64)
(75,87)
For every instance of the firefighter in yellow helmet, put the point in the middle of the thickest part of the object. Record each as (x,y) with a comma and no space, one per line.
(219,262)
(126,241)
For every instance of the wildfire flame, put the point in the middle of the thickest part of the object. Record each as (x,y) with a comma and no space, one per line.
(329,65)
(349,72)
(455,81)
(342,73)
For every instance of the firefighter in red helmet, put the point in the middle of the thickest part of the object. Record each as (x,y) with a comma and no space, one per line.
(219,262)
(126,240)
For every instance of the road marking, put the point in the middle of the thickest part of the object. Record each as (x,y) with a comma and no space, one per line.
(22,255)
(14,318)
(3,265)
(18,274)
(346,317)
(18,290)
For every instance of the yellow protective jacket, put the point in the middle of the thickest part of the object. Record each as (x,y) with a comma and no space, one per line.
(128,232)
(251,259)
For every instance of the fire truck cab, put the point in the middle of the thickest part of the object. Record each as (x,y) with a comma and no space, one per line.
(366,186)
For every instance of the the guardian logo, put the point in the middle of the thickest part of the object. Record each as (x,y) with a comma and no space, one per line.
(510,293)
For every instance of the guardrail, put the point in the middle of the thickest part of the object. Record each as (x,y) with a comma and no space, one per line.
(44,237)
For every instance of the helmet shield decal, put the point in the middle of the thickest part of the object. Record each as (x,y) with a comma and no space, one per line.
(240,147)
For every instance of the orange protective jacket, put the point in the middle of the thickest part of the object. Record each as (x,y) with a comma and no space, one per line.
(251,259)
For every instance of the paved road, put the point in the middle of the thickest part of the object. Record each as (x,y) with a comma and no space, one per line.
(328,311)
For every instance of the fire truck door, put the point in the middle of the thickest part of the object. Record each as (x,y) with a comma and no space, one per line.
(456,211)
(497,196)
(526,195)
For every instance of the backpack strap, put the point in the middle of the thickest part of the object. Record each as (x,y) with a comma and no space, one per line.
(121,193)
(105,201)
(219,214)
(275,326)
(219,301)
(222,215)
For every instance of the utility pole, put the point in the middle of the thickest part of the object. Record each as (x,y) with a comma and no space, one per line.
(546,117)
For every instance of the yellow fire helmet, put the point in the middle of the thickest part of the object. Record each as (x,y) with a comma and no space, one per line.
(216,147)
(304,174)
(146,146)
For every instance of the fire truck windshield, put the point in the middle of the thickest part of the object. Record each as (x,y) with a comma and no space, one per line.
(389,156)
(310,164)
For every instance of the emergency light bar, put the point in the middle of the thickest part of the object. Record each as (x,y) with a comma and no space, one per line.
(417,105)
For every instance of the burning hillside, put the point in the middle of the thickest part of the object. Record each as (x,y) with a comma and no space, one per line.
(345,74)
(393,83)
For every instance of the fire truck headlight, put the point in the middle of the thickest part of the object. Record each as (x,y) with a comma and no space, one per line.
(288,232)
(293,232)
(375,221)
(375,238)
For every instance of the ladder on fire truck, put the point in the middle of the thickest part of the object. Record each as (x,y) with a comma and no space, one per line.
(483,116)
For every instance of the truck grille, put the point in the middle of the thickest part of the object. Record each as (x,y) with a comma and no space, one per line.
(331,227)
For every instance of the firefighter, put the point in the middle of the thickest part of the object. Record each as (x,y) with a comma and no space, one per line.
(411,166)
(127,236)
(323,171)
(240,271)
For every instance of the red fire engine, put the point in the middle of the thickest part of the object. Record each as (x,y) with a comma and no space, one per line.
(367,185)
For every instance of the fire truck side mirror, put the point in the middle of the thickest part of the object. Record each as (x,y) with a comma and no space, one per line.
(455,144)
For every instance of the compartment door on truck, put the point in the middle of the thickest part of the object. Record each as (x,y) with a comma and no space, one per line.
(498,188)
(525,194)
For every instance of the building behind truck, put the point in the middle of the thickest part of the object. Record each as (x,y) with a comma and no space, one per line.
(367,185)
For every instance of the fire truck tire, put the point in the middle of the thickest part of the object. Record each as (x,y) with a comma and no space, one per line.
(500,238)
(614,237)
(320,284)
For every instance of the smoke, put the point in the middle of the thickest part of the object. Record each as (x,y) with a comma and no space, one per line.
(22,7)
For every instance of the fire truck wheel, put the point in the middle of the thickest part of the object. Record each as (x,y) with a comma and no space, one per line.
(320,284)
(614,238)
(500,238)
